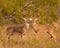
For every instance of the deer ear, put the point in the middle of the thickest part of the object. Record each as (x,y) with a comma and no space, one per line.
(25,19)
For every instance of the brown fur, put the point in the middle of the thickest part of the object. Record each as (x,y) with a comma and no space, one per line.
(15,29)
(45,28)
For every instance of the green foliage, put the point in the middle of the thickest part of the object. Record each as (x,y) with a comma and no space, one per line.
(28,8)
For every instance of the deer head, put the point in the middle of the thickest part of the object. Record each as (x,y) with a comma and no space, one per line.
(29,21)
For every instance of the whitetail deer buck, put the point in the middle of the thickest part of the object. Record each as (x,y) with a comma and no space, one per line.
(40,28)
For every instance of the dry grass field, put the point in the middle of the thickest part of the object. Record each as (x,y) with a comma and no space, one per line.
(12,12)
(30,39)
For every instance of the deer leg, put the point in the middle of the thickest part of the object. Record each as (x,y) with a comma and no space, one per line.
(52,35)
(35,30)
(20,33)
(10,35)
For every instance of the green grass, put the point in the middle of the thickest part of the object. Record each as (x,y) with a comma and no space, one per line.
(17,8)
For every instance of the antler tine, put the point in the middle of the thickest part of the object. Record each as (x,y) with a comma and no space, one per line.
(25,19)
